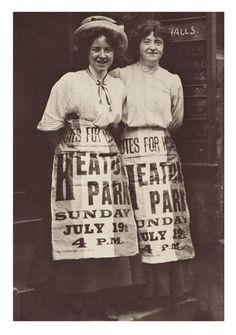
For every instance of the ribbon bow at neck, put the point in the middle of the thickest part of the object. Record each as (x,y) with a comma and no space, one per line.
(101,87)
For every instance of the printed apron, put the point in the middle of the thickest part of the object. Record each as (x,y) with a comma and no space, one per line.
(91,210)
(158,195)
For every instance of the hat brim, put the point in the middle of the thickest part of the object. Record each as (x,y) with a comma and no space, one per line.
(78,33)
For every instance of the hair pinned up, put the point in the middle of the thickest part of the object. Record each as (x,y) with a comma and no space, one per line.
(142,30)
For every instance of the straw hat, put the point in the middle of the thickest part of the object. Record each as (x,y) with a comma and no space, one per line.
(100,22)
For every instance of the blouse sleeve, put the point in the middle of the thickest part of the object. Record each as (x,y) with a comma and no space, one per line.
(53,117)
(124,93)
(177,104)
(115,73)
(121,73)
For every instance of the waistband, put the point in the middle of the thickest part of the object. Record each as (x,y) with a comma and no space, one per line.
(146,141)
(82,135)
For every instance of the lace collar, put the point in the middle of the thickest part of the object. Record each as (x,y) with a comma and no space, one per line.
(148,69)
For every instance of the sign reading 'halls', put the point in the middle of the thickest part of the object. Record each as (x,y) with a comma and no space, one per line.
(192,30)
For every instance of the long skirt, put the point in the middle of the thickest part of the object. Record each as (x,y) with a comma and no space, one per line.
(93,231)
(159,202)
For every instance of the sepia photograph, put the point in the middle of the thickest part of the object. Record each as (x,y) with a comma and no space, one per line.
(118,166)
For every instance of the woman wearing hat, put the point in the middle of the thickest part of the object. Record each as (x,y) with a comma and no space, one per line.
(93,228)
(154,109)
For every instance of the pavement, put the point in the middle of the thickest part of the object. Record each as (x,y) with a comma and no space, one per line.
(205,304)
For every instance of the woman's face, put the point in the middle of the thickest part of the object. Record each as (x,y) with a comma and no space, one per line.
(151,49)
(101,54)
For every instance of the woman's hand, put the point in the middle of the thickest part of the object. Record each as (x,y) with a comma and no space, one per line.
(116,131)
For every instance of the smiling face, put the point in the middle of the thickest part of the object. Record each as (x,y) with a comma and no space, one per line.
(151,50)
(101,55)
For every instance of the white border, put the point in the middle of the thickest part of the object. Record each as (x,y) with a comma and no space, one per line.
(6,74)
(123,5)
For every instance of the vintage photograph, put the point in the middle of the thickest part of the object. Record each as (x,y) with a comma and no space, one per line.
(118,166)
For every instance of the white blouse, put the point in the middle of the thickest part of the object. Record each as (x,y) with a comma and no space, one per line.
(77,92)
(154,98)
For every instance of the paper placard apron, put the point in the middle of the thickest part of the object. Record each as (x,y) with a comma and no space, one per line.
(158,195)
(91,208)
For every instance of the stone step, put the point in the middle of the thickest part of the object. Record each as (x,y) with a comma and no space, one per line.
(182,311)
(25,235)
(32,305)
(23,300)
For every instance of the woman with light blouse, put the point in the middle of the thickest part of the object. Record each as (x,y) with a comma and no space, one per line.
(153,110)
(94,234)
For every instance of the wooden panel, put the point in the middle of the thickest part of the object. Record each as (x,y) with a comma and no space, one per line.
(192,58)
(211,84)
(189,60)
(193,130)
(193,151)
(195,91)
(195,108)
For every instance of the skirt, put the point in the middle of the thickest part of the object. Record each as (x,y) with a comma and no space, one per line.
(93,230)
(81,276)
(92,215)
(160,208)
